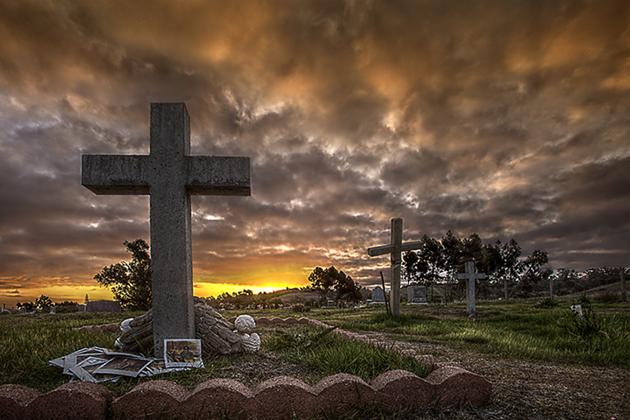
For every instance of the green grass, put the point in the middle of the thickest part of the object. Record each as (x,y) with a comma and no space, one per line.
(517,330)
(27,343)
(328,354)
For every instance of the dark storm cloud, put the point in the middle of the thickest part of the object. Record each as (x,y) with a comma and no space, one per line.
(508,119)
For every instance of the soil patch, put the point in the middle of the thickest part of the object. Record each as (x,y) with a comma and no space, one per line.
(532,389)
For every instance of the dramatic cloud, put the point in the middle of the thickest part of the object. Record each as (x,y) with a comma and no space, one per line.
(509,119)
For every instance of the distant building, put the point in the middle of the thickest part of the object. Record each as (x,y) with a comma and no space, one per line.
(103,306)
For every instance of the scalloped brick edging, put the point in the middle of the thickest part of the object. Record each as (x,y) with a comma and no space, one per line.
(277,398)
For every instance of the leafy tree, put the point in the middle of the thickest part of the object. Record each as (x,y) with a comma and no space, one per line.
(130,281)
(25,306)
(43,303)
(508,266)
(346,288)
(327,279)
(323,279)
(532,272)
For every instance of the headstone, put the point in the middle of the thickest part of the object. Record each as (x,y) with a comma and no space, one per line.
(169,175)
(102,306)
(378,295)
(577,310)
(417,295)
(471,275)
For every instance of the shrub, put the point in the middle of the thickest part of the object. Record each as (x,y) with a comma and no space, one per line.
(300,307)
(547,303)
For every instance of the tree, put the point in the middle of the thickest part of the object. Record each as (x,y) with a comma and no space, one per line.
(323,279)
(346,288)
(508,265)
(130,281)
(43,303)
(533,272)
(326,279)
(25,306)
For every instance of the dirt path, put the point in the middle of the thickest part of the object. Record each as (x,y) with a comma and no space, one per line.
(534,389)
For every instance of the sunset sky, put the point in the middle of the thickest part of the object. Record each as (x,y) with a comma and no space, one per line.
(506,118)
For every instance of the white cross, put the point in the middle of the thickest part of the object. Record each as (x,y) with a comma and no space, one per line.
(471,275)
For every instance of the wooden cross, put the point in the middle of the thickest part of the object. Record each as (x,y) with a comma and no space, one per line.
(395,248)
(169,175)
(471,275)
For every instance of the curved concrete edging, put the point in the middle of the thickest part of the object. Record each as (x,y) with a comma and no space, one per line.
(277,398)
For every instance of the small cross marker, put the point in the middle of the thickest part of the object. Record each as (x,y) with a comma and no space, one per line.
(471,275)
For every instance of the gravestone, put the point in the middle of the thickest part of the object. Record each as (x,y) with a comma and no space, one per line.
(417,295)
(169,175)
(471,275)
(395,249)
(378,295)
(103,306)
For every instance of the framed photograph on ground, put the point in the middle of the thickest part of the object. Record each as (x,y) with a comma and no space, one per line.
(182,352)
(123,366)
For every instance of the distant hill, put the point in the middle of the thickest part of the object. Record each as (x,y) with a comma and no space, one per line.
(289,296)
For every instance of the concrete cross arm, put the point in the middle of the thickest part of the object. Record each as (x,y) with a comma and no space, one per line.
(219,175)
(387,249)
(115,174)
(463,276)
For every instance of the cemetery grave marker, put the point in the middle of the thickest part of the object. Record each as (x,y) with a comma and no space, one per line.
(378,295)
(395,248)
(417,295)
(471,275)
(169,175)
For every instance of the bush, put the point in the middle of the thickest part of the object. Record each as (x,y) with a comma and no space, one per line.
(547,303)
(300,307)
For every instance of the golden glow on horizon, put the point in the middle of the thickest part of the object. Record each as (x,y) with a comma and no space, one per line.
(285,278)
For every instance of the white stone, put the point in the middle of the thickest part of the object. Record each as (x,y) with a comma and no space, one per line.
(245,324)
(126,325)
(251,343)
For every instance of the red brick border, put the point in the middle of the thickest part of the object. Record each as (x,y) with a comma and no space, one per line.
(277,398)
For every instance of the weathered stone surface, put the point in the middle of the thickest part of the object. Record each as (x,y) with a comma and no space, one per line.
(216,333)
(341,392)
(220,398)
(14,400)
(284,397)
(455,387)
(150,400)
(278,398)
(404,389)
(395,249)
(76,400)
(169,174)
(471,275)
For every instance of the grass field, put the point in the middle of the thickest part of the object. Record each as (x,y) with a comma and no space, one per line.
(511,330)
(516,330)
(27,343)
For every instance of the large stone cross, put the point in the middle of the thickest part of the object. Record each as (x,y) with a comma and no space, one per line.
(471,275)
(395,248)
(169,175)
